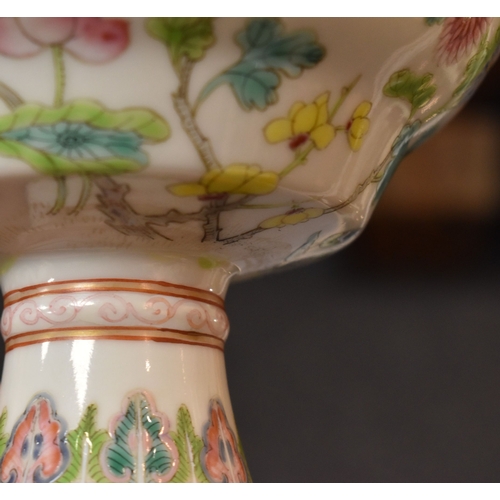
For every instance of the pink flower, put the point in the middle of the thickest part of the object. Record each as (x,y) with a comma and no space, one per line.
(90,39)
(459,36)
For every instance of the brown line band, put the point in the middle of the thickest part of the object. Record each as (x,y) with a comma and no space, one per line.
(9,348)
(146,286)
(119,334)
(47,291)
(90,329)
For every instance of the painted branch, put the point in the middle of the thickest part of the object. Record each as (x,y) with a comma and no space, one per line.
(181,104)
(123,218)
(243,236)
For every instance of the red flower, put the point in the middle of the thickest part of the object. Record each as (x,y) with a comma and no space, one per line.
(92,40)
(459,36)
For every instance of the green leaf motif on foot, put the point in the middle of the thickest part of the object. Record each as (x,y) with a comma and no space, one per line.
(189,446)
(85,443)
(141,449)
(3,437)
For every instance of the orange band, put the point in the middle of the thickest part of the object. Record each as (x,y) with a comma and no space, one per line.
(111,333)
(118,285)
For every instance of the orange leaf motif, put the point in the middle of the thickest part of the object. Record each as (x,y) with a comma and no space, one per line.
(36,452)
(221,459)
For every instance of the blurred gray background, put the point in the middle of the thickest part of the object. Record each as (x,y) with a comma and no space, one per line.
(382,362)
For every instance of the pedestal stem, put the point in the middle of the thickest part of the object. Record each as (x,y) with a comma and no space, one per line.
(112,378)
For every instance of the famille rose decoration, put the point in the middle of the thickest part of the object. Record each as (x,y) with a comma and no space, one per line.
(144,163)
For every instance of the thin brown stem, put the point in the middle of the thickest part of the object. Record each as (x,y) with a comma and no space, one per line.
(183,108)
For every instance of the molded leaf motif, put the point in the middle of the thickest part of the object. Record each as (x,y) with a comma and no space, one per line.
(80,137)
(189,446)
(183,36)
(267,52)
(220,457)
(3,437)
(478,63)
(36,452)
(85,443)
(141,449)
(417,90)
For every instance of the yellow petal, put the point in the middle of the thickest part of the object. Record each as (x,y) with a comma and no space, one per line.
(359,127)
(322,114)
(263,183)
(322,135)
(355,143)
(188,189)
(362,110)
(305,119)
(322,99)
(295,218)
(278,130)
(272,222)
(252,171)
(236,169)
(295,109)
(209,176)
(312,213)
(229,180)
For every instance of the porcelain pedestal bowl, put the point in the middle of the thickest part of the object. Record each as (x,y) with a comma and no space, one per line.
(145,163)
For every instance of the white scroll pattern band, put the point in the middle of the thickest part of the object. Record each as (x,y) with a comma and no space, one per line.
(107,309)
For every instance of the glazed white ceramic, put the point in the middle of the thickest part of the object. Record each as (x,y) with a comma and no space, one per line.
(146,162)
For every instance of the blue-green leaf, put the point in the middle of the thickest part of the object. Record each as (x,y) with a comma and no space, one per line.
(267,52)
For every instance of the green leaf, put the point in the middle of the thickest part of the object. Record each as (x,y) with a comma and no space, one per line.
(142,450)
(51,164)
(145,123)
(417,90)
(159,459)
(119,456)
(184,36)
(81,137)
(3,436)
(431,21)
(478,62)
(85,443)
(268,52)
(189,446)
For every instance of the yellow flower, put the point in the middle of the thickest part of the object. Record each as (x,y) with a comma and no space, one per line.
(358,125)
(292,217)
(304,122)
(235,179)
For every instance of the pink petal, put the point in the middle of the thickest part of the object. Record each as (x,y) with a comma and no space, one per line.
(48,30)
(13,42)
(99,40)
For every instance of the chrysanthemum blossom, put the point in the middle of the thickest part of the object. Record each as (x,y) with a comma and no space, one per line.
(459,36)
(93,40)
